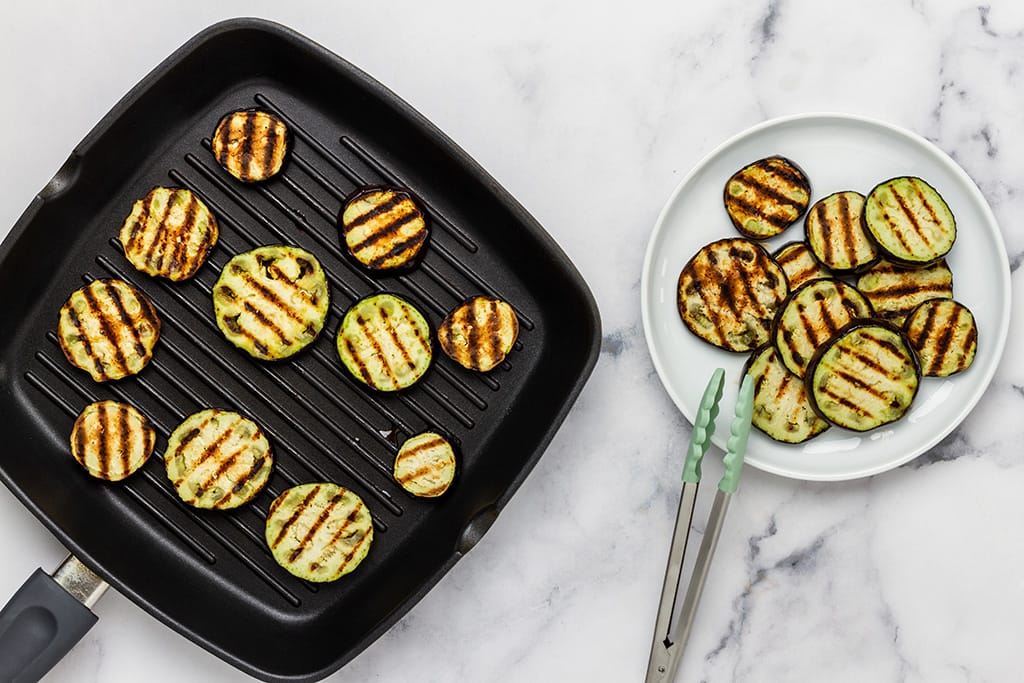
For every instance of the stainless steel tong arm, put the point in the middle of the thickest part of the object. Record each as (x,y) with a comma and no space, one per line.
(669,643)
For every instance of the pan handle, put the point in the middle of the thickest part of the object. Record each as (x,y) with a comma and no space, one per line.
(45,619)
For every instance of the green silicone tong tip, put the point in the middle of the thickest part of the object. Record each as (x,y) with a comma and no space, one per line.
(703,426)
(704,429)
(739,430)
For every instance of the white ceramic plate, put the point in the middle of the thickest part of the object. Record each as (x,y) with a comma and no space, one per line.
(838,152)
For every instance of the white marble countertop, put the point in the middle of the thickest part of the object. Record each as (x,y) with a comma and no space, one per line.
(589,116)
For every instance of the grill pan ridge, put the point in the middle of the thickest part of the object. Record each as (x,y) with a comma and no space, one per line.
(210,575)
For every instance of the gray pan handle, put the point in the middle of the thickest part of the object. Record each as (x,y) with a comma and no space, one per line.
(45,619)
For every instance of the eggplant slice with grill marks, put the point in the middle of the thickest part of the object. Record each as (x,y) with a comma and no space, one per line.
(250,144)
(799,264)
(319,532)
(910,221)
(894,291)
(729,293)
(108,328)
(781,407)
(169,233)
(383,228)
(766,197)
(944,335)
(836,235)
(811,316)
(218,459)
(271,301)
(866,376)
(425,465)
(111,440)
(479,333)
(385,342)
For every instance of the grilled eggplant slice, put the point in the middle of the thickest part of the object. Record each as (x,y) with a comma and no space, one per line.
(866,376)
(218,459)
(799,264)
(766,197)
(729,293)
(479,333)
(250,144)
(383,228)
(894,291)
(810,317)
(271,301)
(385,342)
(169,233)
(111,440)
(944,335)
(319,532)
(781,407)
(836,235)
(425,465)
(108,328)
(910,221)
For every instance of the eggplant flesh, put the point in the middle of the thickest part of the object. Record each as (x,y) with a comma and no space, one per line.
(272,301)
(729,292)
(894,290)
(944,336)
(864,377)
(108,328)
(799,264)
(169,233)
(218,459)
(479,333)
(425,465)
(383,228)
(103,455)
(910,221)
(384,342)
(766,197)
(250,144)
(319,531)
(836,235)
(811,316)
(782,409)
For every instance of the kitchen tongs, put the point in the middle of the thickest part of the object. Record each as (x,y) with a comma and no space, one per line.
(667,647)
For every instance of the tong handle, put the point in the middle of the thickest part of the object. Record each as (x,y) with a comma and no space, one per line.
(703,426)
(664,652)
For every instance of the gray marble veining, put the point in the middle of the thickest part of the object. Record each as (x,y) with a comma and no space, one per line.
(590,116)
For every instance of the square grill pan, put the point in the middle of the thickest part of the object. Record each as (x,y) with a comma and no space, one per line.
(209,574)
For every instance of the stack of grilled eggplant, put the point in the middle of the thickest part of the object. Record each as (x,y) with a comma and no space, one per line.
(842,325)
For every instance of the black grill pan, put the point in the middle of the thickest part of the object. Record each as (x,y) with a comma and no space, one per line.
(208,574)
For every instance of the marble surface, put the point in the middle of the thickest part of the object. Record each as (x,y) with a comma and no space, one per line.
(590,117)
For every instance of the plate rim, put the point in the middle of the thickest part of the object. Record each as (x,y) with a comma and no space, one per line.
(942,157)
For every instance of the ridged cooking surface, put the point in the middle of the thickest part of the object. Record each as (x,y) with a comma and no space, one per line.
(346,434)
